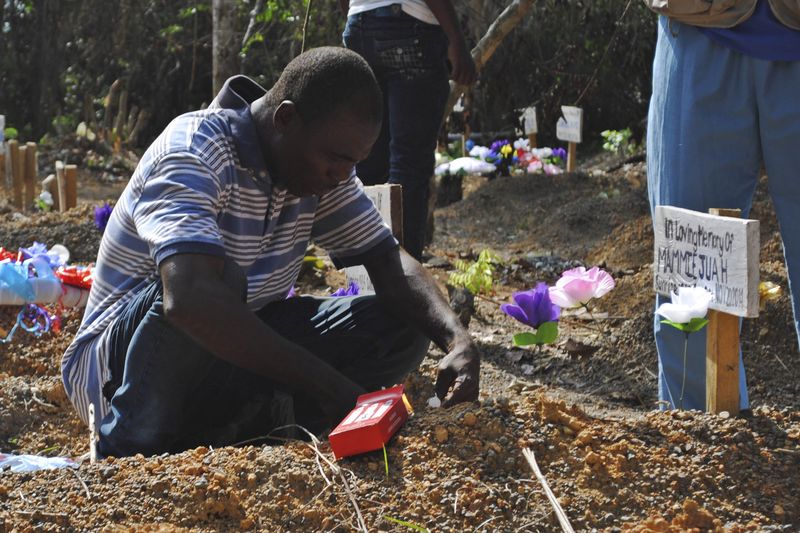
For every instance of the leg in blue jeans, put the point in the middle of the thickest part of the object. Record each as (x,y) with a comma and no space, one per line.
(408,57)
(173,394)
(703,151)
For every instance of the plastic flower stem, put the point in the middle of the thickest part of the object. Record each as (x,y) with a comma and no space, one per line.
(683,381)
(386,461)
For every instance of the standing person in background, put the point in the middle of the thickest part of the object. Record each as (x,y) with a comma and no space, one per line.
(726,80)
(408,44)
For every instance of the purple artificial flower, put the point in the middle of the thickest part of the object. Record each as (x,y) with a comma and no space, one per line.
(101,215)
(352,290)
(560,153)
(497,146)
(292,292)
(533,307)
(37,248)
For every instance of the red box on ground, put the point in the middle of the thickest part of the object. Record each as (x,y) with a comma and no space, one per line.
(372,422)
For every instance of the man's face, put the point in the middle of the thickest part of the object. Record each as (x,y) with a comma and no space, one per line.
(319,155)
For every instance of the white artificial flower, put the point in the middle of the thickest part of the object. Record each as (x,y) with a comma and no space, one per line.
(687,303)
(47,198)
(522,144)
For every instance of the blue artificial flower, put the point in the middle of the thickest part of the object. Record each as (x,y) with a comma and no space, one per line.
(101,215)
(37,248)
(533,307)
(352,290)
(469,145)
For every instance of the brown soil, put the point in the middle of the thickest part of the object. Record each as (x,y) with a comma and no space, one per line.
(585,407)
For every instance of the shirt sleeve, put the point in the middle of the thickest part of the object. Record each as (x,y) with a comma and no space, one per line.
(349,227)
(178,207)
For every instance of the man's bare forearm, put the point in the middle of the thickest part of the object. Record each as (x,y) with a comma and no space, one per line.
(408,291)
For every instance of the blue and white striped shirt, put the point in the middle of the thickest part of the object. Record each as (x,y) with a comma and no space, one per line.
(202,187)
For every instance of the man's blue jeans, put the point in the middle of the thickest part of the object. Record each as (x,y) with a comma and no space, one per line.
(715,117)
(409,58)
(168,393)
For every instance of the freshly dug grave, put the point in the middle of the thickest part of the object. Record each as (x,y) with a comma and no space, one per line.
(585,406)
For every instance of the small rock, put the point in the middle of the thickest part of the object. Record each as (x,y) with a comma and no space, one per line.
(724,414)
(434,402)
(440,434)
(470,419)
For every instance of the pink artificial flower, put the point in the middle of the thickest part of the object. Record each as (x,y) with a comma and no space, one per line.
(578,285)
(534,166)
(551,169)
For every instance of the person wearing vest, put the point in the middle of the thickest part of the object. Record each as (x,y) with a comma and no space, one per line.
(726,80)
(408,44)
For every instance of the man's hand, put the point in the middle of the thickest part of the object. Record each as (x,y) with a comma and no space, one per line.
(463,67)
(459,374)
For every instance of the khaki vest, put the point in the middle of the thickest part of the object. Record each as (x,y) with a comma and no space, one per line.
(723,13)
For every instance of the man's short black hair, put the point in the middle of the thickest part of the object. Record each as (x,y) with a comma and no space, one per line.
(327,79)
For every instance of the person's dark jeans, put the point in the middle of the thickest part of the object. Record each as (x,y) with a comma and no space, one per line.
(409,58)
(168,393)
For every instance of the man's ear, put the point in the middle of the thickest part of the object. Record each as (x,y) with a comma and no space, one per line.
(285,116)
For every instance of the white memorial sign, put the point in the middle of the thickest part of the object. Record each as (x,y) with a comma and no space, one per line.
(570,126)
(718,253)
(529,121)
(381,196)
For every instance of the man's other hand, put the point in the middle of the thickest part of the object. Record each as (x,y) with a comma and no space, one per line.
(459,375)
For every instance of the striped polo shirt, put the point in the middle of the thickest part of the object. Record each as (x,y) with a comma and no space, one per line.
(203,187)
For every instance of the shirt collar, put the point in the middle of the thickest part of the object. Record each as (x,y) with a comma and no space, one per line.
(236,95)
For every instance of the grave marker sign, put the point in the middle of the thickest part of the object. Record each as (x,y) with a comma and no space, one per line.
(388,199)
(570,128)
(715,252)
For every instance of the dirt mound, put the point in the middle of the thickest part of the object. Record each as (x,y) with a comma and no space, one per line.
(585,406)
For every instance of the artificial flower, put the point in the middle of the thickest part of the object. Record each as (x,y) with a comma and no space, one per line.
(577,286)
(533,307)
(550,169)
(352,290)
(292,292)
(687,303)
(560,153)
(101,215)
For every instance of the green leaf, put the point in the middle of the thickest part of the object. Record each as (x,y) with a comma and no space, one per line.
(525,339)
(695,324)
(547,333)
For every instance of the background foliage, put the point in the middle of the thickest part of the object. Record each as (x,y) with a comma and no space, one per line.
(58,58)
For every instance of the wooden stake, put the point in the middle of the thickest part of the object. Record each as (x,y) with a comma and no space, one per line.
(572,157)
(722,352)
(2,168)
(61,181)
(71,175)
(13,156)
(31,170)
(532,140)
(19,178)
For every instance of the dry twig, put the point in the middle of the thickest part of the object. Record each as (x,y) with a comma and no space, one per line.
(562,516)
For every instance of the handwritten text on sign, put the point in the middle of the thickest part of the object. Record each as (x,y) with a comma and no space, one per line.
(718,253)
(570,127)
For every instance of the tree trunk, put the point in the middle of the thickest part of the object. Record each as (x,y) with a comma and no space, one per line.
(224,45)
(500,28)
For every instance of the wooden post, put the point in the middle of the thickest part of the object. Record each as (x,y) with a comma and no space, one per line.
(71,175)
(13,156)
(572,157)
(722,352)
(19,178)
(61,181)
(31,170)
(532,140)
